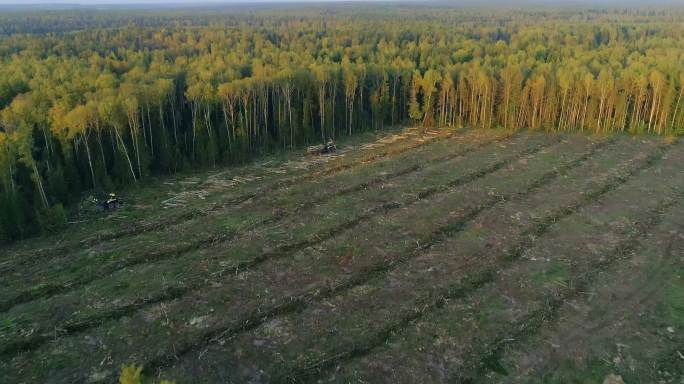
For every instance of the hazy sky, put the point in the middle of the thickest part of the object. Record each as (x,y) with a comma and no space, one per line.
(18,2)
(91,2)
(121,1)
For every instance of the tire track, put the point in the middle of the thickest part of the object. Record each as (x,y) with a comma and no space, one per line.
(282,251)
(198,213)
(51,289)
(654,259)
(435,300)
(480,363)
(297,303)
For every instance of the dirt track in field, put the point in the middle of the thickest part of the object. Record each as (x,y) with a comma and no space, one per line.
(444,256)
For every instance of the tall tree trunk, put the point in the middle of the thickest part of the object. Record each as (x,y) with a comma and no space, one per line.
(674,115)
(122,145)
(90,160)
(149,126)
(39,184)
(321,103)
(225,121)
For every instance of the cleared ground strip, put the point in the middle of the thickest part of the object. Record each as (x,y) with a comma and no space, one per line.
(444,256)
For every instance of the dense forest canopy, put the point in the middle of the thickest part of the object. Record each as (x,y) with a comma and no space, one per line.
(94,99)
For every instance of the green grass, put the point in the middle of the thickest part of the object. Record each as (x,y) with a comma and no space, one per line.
(554,274)
(673,306)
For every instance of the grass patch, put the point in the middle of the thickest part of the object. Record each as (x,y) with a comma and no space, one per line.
(554,274)
(673,307)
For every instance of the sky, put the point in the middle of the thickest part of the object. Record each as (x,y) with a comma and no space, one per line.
(96,2)
(87,2)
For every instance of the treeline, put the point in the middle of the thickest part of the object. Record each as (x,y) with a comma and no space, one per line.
(107,107)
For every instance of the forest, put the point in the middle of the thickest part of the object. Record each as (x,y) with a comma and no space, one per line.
(98,100)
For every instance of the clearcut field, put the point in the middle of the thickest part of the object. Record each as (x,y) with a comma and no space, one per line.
(466,256)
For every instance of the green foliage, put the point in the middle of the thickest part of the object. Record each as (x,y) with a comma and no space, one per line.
(13,216)
(58,183)
(126,96)
(132,374)
(52,219)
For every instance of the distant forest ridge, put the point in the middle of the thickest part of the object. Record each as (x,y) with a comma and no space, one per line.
(66,17)
(99,99)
